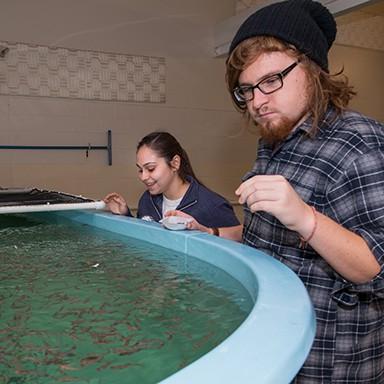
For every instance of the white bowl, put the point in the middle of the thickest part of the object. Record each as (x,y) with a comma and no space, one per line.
(175,223)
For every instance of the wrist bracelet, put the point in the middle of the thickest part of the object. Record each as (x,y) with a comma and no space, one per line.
(303,242)
(215,231)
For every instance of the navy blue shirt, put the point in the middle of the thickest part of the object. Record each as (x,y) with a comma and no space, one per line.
(207,207)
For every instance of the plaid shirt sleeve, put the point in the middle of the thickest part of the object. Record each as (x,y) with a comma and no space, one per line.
(357,201)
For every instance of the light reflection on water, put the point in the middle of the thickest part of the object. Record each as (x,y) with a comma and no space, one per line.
(80,305)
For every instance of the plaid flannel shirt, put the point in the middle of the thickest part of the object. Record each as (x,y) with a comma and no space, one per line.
(341,173)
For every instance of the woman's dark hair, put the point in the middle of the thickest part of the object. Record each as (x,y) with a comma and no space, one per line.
(166,146)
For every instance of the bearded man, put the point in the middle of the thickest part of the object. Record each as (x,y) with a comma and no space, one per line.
(315,197)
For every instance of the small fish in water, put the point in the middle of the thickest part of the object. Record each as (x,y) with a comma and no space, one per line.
(95,265)
(67,367)
(89,360)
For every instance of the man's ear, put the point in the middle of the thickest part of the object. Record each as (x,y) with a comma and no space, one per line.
(176,162)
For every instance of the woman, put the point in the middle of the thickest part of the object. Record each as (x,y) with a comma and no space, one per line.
(166,171)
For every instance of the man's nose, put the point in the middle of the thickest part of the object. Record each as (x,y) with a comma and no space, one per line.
(259,99)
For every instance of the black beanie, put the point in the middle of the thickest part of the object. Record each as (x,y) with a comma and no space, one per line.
(306,24)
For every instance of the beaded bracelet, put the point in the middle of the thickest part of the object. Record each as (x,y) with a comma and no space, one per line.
(304,242)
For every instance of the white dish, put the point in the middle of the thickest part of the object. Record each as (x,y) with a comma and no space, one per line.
(175,223)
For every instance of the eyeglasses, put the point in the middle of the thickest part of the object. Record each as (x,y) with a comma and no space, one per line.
(270,84)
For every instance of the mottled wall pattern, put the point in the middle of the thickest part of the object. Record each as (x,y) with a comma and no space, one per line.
(33,70)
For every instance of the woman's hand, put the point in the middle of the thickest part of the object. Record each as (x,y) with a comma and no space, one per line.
(116,204)
(193,224)
(231,233)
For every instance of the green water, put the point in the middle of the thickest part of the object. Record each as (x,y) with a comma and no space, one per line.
(81,305)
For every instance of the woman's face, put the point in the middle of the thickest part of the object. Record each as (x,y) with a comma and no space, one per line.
(156,174)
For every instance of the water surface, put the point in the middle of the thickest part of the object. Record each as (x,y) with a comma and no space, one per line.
(81,305)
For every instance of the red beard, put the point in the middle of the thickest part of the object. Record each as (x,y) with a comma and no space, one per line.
(274,132)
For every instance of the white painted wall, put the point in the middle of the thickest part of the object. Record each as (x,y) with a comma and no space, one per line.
(198,110)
